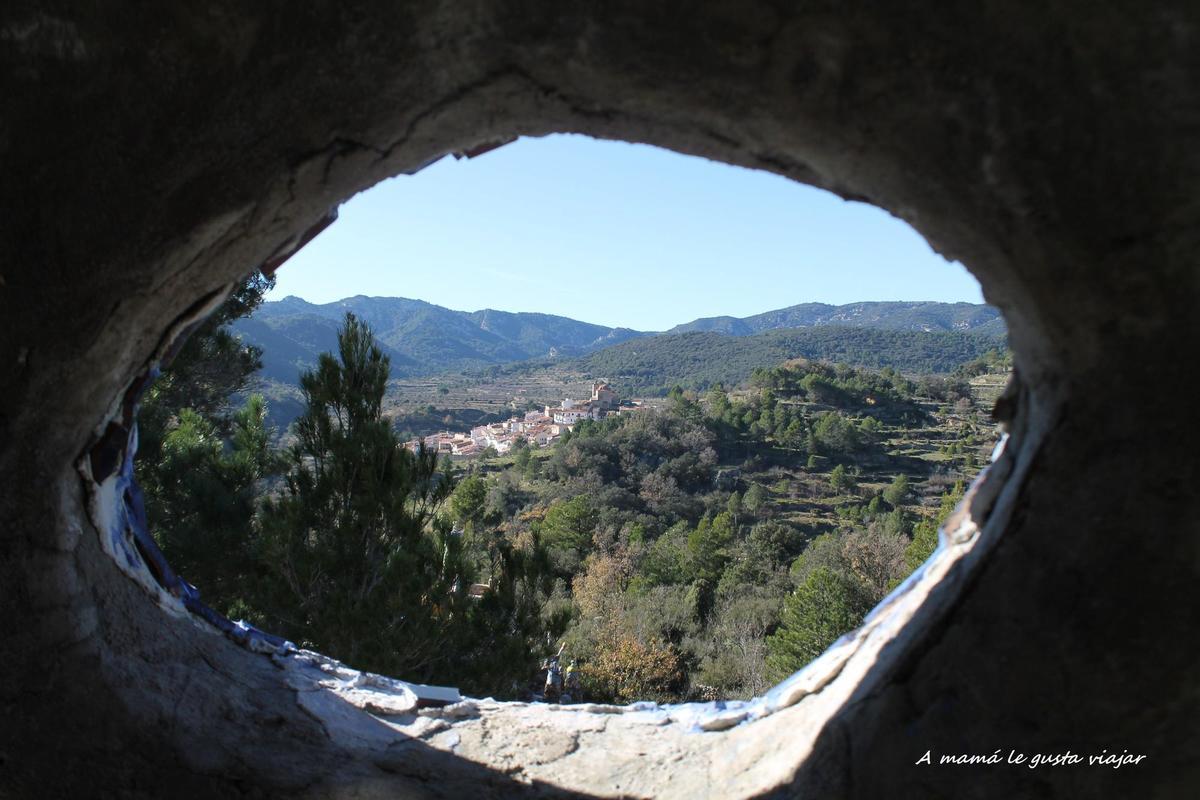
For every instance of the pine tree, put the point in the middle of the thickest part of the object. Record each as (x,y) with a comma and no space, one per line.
(210,367)
(897,492)
(200,463)
(467,502)
(203,501)
(755,499)
(828,604)
(709,546)
(734,507)
(840,480)
(360,568)
(567,532)
(361,563)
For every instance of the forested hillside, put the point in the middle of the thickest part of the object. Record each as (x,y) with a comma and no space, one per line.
(713,547)
(423,339)
(699,360)
(697,551)
(419,338)
(899,316)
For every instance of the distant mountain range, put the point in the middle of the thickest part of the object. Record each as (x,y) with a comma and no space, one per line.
(422,338)
(924,316)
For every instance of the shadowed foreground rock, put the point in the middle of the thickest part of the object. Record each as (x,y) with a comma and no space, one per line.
(152,154)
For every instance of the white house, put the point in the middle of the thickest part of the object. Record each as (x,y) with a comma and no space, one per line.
(569,416)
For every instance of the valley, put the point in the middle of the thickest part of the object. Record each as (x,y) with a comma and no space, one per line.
(494,362)
(686,516)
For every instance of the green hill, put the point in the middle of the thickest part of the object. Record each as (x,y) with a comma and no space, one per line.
(421,338)
(892,315)
(702,359)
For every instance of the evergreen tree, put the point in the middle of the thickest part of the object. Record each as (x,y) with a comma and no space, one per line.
(667,559)
(468,501)
(209,368)
(774,544)
(840,480)
(522,455)
(360,566)
(924,542)
(828,604)
(199,462)
(874,508)
(567,532)
(495,645)
(708,547)
(734,507)
(718,402)
(203,501)
(897,492)
(795,436)
(756,499)
(683,404)
(896,523)
(836,435)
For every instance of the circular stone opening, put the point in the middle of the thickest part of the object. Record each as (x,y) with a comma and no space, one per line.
(352,705)
(714,644)
(200,179)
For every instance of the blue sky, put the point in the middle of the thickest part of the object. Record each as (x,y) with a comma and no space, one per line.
(615,234)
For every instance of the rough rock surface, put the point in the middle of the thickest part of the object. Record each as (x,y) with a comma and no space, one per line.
(152,154)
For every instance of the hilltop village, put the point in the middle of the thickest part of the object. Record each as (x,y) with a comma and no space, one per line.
(537,428)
